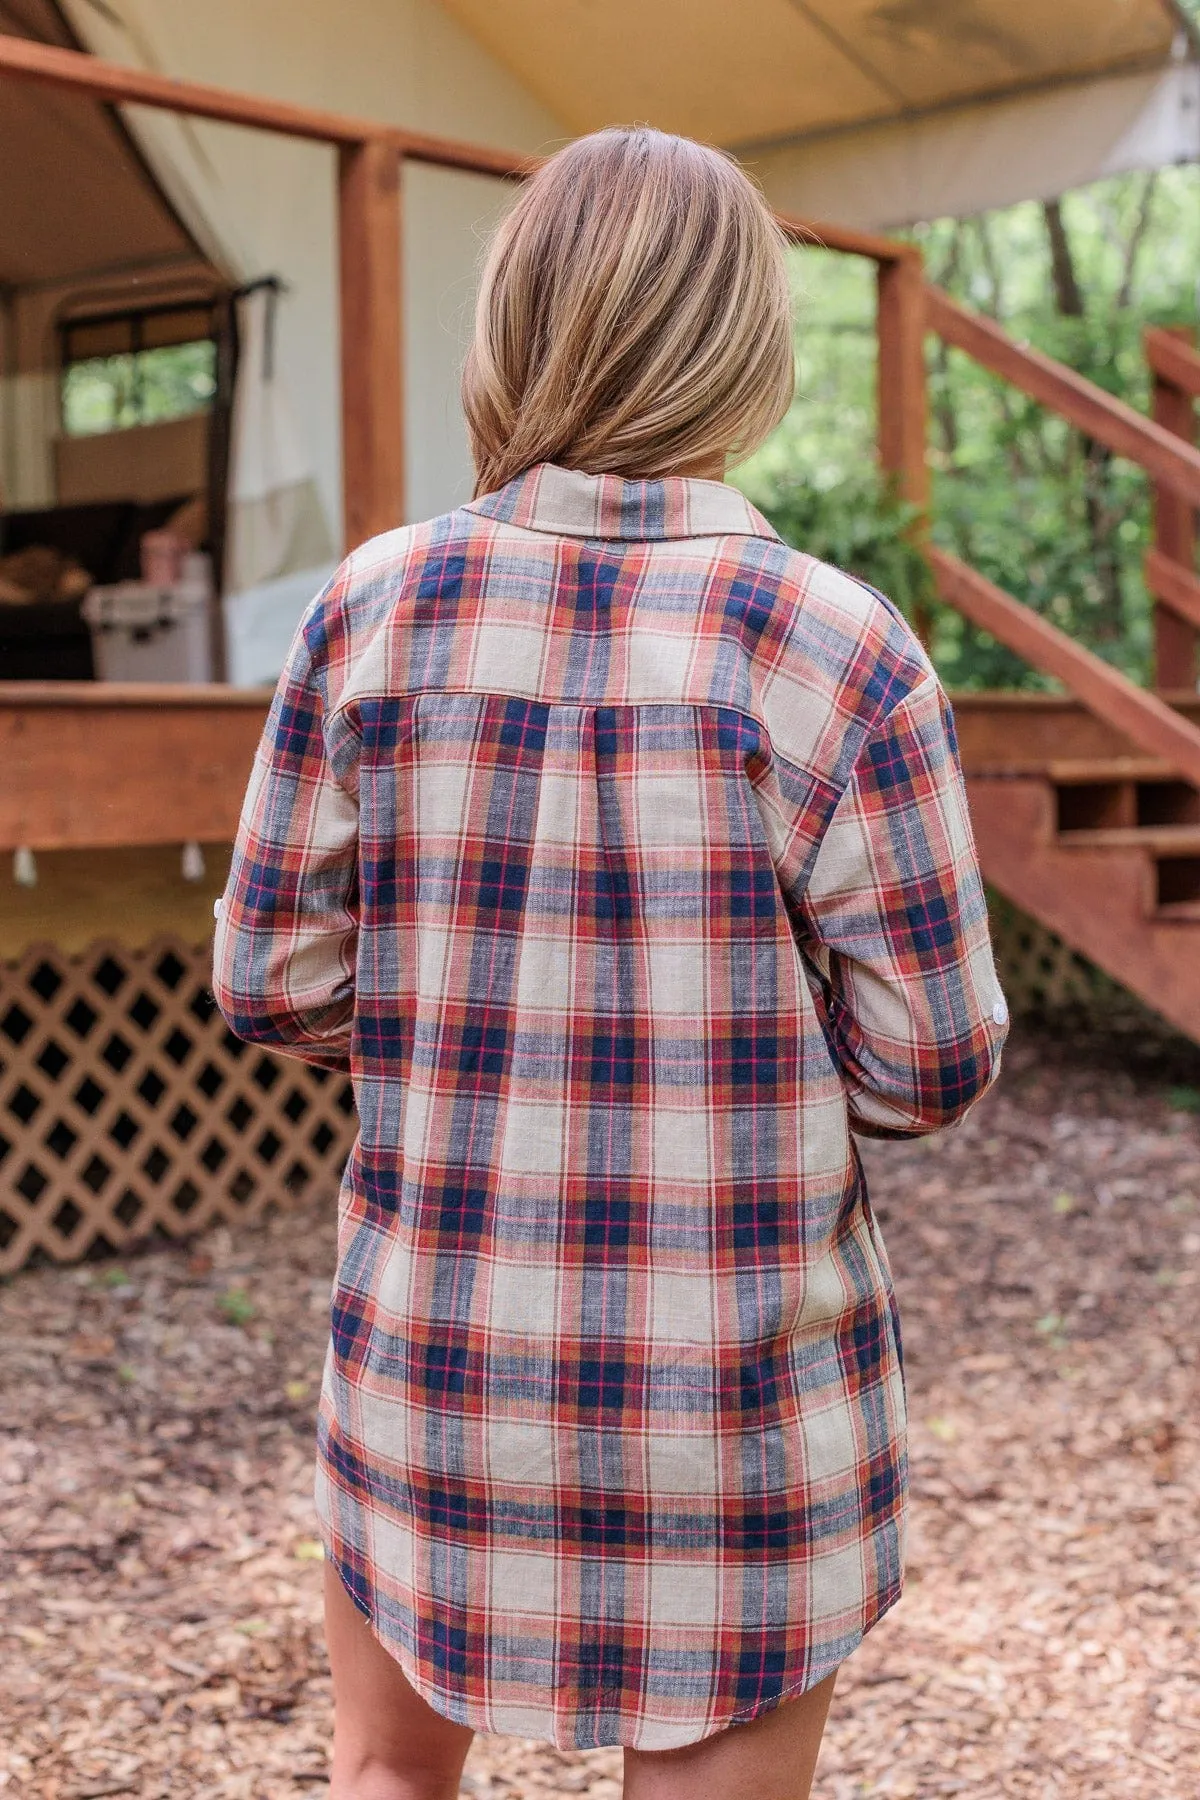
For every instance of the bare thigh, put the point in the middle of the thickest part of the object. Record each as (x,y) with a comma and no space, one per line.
(388,1743)
(771,1758)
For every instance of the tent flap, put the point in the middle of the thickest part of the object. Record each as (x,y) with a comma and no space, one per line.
(966,160)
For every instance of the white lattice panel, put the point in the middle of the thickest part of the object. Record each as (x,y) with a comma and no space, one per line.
(1041,974)
(127,1108)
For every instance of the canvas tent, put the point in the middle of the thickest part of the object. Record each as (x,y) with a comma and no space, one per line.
(870,112)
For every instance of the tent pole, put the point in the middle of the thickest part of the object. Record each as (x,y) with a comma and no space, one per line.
(369,242)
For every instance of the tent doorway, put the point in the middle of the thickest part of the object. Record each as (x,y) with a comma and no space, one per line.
(117,352)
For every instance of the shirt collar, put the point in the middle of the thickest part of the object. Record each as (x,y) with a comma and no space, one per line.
(570,503)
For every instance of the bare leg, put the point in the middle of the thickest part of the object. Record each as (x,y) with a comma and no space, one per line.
(771,1758)
(388,1743)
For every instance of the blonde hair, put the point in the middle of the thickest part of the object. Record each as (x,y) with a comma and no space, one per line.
(634,315)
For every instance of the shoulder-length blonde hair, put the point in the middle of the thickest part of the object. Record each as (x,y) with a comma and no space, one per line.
(634,315)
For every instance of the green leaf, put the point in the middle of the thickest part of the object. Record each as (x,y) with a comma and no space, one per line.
(236,1305)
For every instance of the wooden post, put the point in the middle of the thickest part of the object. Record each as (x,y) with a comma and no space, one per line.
(901,397)
(217,460)
(372,351)
(1175,641)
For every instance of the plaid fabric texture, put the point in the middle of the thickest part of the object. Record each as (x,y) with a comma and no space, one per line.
(621,854)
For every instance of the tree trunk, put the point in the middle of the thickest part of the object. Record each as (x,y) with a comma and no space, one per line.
(1068,296)
(1097,460)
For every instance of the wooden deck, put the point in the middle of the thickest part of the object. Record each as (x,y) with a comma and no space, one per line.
(92,765)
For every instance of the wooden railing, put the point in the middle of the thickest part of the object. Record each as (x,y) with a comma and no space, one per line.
(61,742)
(371,156)
(1125,431)
(106,764)
(900,338)
(1163,447)
(1170,565)
(369,229)
(1156,728)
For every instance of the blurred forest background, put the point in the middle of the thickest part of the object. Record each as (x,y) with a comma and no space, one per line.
(1024,498)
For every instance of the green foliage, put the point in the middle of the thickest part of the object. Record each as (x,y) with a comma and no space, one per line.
(108,393)
(861,525)
(236,1305)
(1020,495)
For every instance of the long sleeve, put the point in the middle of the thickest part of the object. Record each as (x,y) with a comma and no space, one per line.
(287,925)
(898,934)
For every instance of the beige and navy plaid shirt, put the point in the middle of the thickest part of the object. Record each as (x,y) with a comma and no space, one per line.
(621,854)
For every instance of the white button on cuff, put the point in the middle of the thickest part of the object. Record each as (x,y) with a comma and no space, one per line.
(999,1012)
(216,909)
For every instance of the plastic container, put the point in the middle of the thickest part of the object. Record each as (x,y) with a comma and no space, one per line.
(142,632)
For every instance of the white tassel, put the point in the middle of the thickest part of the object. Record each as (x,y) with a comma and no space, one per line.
(193,862)
(25,867)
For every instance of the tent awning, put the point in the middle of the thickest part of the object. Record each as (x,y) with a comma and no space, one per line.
(872,112)
(78,197)
(766,70)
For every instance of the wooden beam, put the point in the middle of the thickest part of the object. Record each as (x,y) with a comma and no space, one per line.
(901,389)
(113,82)
(1171,565)
(1147,721)
(901,378)
(1109,421)
(1178,588)
(818,235)
(372,354)
(90,765)
(1172,354)
(119,85)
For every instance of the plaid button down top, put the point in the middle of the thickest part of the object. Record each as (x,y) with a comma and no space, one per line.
(621,854)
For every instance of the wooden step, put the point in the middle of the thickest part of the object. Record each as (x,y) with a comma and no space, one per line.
(1082,771)
(1156,840)
(1177,912)
(1131,905)
(1073,771)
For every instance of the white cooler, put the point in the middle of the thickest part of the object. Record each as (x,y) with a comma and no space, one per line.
(141,632)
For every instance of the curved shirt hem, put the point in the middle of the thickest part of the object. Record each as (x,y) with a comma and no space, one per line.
(476,1717)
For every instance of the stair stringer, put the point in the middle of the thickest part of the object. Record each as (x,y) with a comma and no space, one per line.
(1099,901)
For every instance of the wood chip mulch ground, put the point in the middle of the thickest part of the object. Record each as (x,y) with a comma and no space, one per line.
(161,1574)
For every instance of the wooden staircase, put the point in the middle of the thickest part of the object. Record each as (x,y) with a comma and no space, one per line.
(1105,850)
(1087,813)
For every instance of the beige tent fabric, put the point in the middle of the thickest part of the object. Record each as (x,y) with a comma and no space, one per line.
(762,69)
(28,423)
(76,197)
(276,522)
(966,159)
(263,205)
